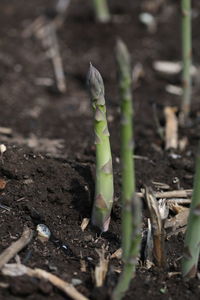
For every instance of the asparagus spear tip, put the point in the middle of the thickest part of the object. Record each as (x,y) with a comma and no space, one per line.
(104,175)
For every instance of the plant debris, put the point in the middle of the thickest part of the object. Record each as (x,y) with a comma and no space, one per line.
(17,246)
(158,234)
(2,184)
(102,268)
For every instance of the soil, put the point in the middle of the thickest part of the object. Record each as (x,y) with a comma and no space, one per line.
(49,163)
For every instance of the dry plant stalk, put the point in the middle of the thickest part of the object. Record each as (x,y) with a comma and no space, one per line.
(84,223)
(48,36)
(34,26)
(60,15)
(176,232)
(19,270)
(180,220)
(171,128)
(170,194)
(61,10)
(175,208)
(102,268)
(178,201)
(6,131)
(148,249)
(158,234)
(16,247)
(117,254)
(45,31)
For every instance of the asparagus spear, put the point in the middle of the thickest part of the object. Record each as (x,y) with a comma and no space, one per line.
(186,57)
(127,162)
(104,176)
(131,205)
(192,238)
(101,10)
(131,261)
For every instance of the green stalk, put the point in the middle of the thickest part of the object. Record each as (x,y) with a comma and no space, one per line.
(192,237)
(101,10)
(131,261)
(131,205)
(104,175)
(127,162)
(186,57)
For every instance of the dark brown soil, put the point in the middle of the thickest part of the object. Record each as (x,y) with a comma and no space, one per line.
(53,182)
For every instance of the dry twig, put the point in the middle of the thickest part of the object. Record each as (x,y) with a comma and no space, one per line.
(45,31)
(157,228)
(170,194)
(171,129)
(102,268)
(117,254)
(6,131)
(178,201)
(180,220)
(84,223)
(47,35)
(16,247)
(19,270)
(61,10)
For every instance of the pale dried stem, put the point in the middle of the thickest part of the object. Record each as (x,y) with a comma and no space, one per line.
(67,288)
(176,232)
(102,268)
(48,36)
(158,233)
(171,128)
(180,220)
(178,201)
(6,131)
(45,31)
(170,194)
(61,9)
(16,247)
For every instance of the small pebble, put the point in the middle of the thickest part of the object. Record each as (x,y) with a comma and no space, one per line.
(148,20)
(3,148)
(89,258)
(53,268)
(117,160)
(76,281)
(174,155)
(43,231)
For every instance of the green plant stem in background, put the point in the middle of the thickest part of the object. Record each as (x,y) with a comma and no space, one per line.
(131,261)
(101,10)
(104,175)
(186,57)
(131,205)
(127,162)
(192,237)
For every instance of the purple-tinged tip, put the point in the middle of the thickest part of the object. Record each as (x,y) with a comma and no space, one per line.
(95,83)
